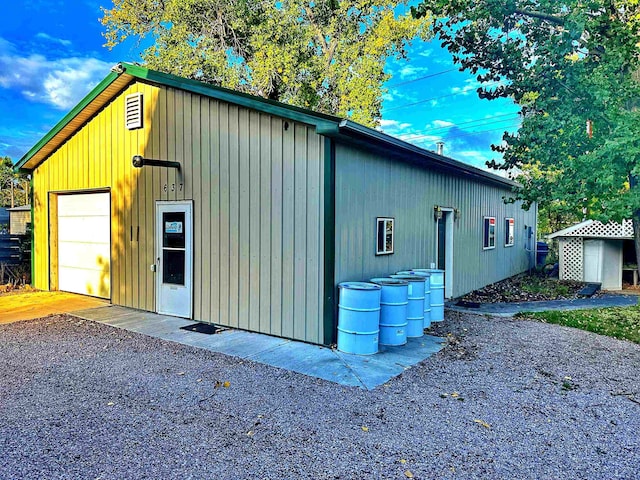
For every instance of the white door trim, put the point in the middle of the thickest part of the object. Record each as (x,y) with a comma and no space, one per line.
(174,299)
(448,260)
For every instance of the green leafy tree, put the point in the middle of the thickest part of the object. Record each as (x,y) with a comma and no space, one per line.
(572,67)
(13,186)
(326,55)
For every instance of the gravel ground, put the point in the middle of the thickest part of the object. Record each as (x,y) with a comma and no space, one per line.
(505,399)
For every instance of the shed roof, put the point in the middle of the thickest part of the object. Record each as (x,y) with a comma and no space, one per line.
(21,208)
(596,229)
(123,74)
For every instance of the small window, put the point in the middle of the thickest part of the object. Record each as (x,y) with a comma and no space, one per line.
(509,232)
(384,236)
(489,233)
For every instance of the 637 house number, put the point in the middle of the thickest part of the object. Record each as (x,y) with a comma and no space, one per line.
(171,187)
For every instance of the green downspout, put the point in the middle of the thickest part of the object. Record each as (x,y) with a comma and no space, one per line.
(329,298)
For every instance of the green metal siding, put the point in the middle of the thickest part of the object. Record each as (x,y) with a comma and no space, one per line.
(369,185)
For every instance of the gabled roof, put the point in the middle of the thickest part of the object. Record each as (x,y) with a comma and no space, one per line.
(123,74)
(596,229)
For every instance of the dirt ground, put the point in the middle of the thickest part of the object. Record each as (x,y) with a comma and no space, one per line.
(29,305)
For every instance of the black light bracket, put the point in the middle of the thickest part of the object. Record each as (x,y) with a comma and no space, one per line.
(139,161)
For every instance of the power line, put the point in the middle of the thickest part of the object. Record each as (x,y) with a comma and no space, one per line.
(475,122)
(467,134)
(421,78)
(462,91)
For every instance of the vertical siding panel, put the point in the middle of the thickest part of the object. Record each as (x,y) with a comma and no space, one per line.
(190,118)
(153,136)
(277,222)
(312,286)
(194,174)
(215,232)
(243,239)
(288,231)
(265,205)
(176,151)
(254,238)
(300,220)
(166,140)
(225,216)
(203,181)
(234,217)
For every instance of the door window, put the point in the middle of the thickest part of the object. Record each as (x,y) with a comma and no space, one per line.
(173,248)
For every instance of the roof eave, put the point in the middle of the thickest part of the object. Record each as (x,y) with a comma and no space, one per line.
(33,157)
(449,164)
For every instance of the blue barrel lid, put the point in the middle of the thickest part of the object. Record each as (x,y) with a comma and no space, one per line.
(359,286)
(409,278)
(428,270)
(396,282)
(418,273)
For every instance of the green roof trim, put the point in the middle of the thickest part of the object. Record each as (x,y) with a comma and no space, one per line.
(91,96)
(326,125)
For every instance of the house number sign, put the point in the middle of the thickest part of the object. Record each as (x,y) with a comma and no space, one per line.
(172,187)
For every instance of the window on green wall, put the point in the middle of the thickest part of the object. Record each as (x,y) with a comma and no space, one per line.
(384,235)
(489,233)
(509,232)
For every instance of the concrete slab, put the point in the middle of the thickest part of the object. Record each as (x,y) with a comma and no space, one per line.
(510,309)
(360,371)
(30,305)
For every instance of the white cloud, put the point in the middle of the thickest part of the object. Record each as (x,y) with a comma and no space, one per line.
(49,38)
(410,71)
(60,83)
(441,124)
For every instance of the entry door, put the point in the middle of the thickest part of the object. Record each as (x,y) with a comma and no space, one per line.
(444,249)
(593,261)
(174,258)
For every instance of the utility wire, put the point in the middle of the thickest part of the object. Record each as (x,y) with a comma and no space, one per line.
(476,123)
(462,91)
(431,75)
(467,134)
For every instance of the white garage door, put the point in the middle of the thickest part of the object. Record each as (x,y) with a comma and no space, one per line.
(84,242)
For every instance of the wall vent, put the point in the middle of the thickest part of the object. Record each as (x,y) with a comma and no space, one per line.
(133,111)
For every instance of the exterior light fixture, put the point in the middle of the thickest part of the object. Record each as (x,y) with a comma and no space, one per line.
(437,212)
(138,161)
(456,214)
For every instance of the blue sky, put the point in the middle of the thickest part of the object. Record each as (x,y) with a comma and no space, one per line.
(51,55)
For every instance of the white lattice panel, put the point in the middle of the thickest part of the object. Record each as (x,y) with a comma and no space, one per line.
(604,230)
(571,259)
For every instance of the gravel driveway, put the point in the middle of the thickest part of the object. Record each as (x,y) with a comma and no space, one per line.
(506,399)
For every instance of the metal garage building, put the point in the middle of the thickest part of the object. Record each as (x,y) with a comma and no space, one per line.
(271,207)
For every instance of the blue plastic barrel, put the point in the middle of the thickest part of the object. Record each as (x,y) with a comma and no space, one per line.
(427,293)
(415,309)
(394,300)
(437,292)
(358,317)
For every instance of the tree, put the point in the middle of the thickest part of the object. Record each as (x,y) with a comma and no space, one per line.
(13,186)
(572,67)
(325,55)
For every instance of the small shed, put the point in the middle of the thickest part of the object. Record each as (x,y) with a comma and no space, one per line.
(597,252)
(19,218)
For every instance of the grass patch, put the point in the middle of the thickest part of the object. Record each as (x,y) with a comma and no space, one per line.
(618,322)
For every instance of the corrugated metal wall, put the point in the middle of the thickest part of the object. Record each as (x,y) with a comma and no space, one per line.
(257,186)
(369,186)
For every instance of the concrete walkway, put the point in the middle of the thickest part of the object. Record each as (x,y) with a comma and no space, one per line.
(510,309)
(30,305)
(353,370)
